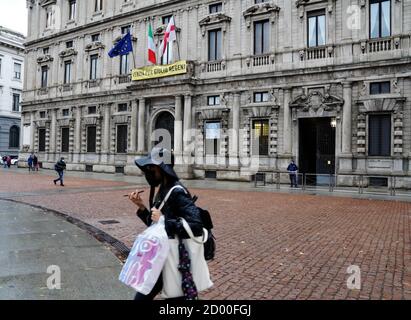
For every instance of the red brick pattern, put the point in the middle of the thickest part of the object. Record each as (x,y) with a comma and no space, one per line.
(270,246)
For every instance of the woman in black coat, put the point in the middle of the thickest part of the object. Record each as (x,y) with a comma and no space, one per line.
(159,172)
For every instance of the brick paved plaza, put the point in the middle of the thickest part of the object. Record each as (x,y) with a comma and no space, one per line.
(270,245)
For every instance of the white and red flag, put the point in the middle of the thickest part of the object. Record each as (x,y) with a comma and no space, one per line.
(169,37)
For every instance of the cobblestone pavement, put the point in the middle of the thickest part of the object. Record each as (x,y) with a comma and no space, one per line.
(270,245)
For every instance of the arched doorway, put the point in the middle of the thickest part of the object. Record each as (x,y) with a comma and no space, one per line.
(164,130)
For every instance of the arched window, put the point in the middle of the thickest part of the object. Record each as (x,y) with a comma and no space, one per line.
(14,137)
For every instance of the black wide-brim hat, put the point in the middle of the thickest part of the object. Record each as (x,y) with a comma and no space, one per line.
(160,157)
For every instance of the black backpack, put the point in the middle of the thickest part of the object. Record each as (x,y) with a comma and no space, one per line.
(210,245)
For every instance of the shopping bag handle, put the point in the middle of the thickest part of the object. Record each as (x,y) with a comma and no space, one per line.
(185,223)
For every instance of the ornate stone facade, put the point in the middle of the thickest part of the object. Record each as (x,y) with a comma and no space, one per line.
(291,81)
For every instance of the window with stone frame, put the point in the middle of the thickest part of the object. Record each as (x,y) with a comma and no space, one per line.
(42,139)
(122,138)
(72,9)
(91,139)
(49,18)
(215,7)
(215,44)
(212,131)
(95,37)
(14,137)
(65,139)
(124,64)
(383,87)
(67,72)
(260,97)
(213,100)
(16,102)
(379,135)
(44,76)
(98,5)
(66,112)
(122,107)
(259,1)
(17,71)
(93,66)
(92,110)
(316,28)
(261,37)
(380,18)
(260,137)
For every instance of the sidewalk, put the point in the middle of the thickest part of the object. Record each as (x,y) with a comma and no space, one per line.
(32,240)
(346,192)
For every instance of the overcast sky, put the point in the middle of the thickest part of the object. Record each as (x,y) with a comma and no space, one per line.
(13,15)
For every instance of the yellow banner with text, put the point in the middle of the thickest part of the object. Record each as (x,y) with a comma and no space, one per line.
(152,72)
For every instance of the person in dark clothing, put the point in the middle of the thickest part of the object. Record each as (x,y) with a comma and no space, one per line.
(293,169)
(35,163)
(60,166)
(159,172)
(8,162)
(30,162)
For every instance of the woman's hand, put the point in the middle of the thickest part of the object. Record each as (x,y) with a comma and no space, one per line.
(136,199)
(155,214)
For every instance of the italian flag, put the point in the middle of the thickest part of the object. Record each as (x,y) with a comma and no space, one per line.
(151,47)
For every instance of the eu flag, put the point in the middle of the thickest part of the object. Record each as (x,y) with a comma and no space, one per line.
(123,47)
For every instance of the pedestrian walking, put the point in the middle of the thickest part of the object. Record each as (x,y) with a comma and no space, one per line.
(60,166)
(35,162)
(30,162)
(174,203)
(4,161)
(8,161)
(293,171)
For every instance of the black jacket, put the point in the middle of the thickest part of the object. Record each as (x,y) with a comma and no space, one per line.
(60,166)
(178,205)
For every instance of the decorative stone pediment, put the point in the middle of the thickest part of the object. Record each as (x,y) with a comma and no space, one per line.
(45,3)
(381,105)
(212,19)
(215,113)
(260,112)
(68,53)
(121,118)
(317,104)
(261,9)
(162,29)
(44,59)
(300,4)
(133,38)
(95,46)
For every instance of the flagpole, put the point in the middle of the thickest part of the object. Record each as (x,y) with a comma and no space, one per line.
(178,45)
(132,53)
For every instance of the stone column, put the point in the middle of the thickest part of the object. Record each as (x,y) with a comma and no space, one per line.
(53,129)
(287,122)
(234,137)
(106,129)
(32,131)
(187,122)
(141,126)
(77,136)
(133,129)
(178,127)
(346,125)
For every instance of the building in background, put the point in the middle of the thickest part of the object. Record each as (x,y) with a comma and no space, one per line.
(325,82)
(11,89)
